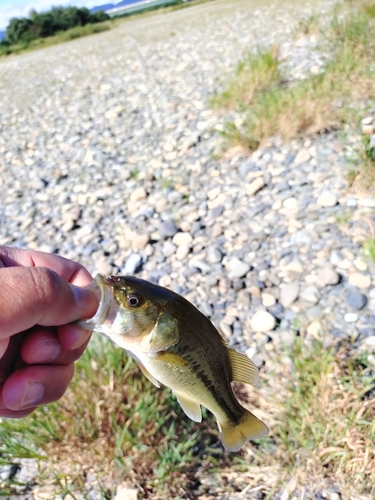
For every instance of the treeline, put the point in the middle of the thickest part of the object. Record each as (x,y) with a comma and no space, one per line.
(45,24)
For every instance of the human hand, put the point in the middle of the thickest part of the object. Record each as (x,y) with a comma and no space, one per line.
(40,295)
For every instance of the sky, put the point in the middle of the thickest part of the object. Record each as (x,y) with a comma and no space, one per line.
(21,8)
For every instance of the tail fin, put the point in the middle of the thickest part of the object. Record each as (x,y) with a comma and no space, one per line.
(249,427)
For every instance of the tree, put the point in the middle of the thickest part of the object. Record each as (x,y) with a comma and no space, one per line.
(18,30)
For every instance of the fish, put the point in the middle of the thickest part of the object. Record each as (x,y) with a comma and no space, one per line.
(176,345)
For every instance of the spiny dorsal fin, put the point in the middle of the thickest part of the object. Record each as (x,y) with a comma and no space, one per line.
(243,369)
(190,407)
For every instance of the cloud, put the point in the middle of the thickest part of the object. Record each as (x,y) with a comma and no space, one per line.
(23,8)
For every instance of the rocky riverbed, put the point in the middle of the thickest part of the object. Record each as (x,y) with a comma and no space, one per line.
(109,156)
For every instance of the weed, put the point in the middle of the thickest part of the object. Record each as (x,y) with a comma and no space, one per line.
(368,247)
(270,107)
(114,423)
(254,75)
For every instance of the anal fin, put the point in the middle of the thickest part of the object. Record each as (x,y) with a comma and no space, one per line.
(243,369)
(190,407)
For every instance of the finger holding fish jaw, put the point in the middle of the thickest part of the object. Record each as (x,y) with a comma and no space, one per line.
(174,344)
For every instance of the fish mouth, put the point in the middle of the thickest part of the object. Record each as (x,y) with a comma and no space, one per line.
(104,295)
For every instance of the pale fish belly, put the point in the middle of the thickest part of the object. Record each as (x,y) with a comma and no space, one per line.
(185,384)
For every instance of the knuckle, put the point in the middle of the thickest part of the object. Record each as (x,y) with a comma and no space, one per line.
(45,282)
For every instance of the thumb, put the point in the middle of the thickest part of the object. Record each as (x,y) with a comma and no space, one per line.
(39,296)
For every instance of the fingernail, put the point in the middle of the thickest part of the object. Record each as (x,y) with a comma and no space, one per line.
(48,351)
(78,337)
(86,301)
(32,395)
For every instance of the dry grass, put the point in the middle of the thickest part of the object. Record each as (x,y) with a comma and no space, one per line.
(116,427)
(268,106)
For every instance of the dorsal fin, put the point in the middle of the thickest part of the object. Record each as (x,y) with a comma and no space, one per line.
(243,369)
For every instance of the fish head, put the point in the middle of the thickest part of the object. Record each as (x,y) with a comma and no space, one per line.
(133,313)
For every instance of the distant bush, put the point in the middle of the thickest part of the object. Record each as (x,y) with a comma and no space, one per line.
(45,24)
(80,31)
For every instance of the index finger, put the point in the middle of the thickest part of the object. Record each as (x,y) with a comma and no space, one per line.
(70,271)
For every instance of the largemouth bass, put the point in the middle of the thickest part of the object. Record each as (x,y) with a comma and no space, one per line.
(174,344)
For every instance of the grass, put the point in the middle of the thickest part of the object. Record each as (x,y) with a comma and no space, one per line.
(368,247)
(115,425)
(270,106)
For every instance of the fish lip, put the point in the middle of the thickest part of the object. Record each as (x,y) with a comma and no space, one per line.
(105,296)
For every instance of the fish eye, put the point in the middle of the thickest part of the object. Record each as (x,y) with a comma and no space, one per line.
(134,300)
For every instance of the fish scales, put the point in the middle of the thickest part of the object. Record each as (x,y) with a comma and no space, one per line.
(176,345)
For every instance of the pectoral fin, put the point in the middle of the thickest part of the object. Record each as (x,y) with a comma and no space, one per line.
(147,374)
(243,369)
(190,407)
(144,370)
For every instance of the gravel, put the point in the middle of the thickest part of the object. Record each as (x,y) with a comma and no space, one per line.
(109,156)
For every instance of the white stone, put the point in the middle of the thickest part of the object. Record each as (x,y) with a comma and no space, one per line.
(328,276)
(303,156)
(182,239)
(369,341)
(360,280)
(268,300)
(367,202)
(288,294)
(310,294)
(255,186)
(290,203)
(262,321)
(237,268)
(314,328)
(182,251)
(367,129)
(295,267)
(327,199)
(351,317)
(103,267)
(126,494)
(360,265)
(213,193)
(367,120)
(138,194)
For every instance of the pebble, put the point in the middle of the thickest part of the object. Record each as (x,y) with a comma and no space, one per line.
(138,194)
(327,199)
(288,293)
(182,239)
(214,255)
(328,277)
(360,280)
(303,156)
(351,317)
(237,268)
(133,264)
(167,229)
(268,300)
(255,186)
(262,321)
(310,294)
(103,267)
(121,169)
(356,300)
